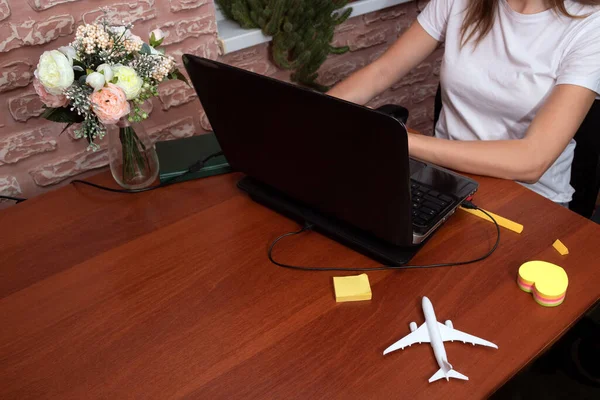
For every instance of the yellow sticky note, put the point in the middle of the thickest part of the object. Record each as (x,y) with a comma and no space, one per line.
(503,222)
(546,281)
(352,288)
(560,247)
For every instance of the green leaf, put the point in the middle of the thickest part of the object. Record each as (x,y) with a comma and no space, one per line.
(155,43)
(77,63)
(78,74)
(145,49)
(338,50)
(62,115)
(114,80)
(178,75)
(78,69)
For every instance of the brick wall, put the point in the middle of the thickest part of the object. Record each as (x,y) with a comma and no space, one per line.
(35,158)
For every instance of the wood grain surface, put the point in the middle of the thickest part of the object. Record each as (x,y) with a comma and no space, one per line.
(169,294)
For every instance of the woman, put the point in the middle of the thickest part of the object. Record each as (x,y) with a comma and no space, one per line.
(518,77)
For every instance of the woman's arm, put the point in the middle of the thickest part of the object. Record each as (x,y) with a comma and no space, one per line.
(411,48)
(523,160)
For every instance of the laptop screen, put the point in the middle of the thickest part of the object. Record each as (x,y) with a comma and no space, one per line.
(342,159)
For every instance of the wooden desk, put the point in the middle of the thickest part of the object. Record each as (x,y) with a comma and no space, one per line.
(169,294)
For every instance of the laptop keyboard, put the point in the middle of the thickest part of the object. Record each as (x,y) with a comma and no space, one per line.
(427,204)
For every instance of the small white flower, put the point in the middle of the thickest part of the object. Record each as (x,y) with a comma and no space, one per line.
(95,80)
(107,71)
(158,34)
(120,30)
(55,72)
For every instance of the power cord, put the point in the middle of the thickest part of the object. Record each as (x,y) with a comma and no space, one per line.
(197,166)
(17,199)
(307,227)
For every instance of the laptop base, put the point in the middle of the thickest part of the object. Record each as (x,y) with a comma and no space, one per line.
(359,241)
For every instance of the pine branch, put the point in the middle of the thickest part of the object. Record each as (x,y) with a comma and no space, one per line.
(302,31)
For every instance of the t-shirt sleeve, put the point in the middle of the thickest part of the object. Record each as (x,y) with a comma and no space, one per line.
(581,63)
(434,18)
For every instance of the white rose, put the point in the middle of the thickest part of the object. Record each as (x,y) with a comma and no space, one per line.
(128,80)
(158,34)
(70,52)
(107,71)
(55,72)
(95,80)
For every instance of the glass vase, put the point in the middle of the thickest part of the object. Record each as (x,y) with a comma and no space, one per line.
(132,155)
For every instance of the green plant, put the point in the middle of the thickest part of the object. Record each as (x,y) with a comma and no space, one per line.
(302,31)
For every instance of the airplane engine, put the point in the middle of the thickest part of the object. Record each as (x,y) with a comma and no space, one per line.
(449,324)
(413,326)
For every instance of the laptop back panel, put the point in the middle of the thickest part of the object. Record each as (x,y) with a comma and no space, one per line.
(342,159)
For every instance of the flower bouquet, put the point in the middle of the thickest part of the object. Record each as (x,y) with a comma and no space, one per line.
(101,81)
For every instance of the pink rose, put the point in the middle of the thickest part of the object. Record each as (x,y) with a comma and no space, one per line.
(48,99)
(110,104)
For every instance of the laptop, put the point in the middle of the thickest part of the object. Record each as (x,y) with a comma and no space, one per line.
(340,166)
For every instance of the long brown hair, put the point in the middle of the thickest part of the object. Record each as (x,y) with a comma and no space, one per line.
(481,13)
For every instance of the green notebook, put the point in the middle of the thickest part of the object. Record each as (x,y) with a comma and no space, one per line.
(176,156)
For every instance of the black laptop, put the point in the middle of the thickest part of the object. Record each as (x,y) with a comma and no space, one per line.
(341,166)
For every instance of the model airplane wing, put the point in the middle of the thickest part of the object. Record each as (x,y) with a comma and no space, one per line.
(420,335)
(452,334)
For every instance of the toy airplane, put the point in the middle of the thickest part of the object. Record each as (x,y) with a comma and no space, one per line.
(436,333)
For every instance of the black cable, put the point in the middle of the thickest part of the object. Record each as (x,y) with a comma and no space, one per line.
(197,166)
(17,199)
(307,227)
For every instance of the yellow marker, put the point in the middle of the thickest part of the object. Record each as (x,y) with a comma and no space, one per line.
(352,288)
(560,247)
(506,223)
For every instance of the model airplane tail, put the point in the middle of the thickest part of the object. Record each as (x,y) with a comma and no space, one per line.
(448,373)
(434,332)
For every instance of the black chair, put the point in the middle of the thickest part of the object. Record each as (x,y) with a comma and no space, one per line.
(585,170)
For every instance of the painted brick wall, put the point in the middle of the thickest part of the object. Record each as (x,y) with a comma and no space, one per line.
(35,158)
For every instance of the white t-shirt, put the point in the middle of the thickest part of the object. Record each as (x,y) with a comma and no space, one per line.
(494,91)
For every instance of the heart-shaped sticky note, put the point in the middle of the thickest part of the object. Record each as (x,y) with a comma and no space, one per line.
(547,282)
